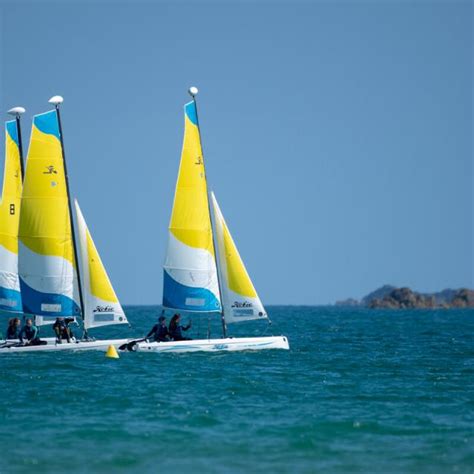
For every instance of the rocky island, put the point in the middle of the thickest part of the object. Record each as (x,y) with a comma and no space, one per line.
(391,297)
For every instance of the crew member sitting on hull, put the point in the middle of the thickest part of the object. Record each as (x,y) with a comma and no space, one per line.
(159,331)
(29,334)
(62,330)
(13,330)
(175,329)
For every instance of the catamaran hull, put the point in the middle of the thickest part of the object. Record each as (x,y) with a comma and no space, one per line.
(9,347)
(212,345)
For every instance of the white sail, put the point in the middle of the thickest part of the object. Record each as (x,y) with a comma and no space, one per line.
(239,299)
(101,305)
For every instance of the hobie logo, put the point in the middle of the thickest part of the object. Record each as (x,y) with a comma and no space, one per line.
(243,304)
(103,309)
(198,160)
(50,170)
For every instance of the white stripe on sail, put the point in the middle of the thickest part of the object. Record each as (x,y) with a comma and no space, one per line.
(9,274)
(191,266)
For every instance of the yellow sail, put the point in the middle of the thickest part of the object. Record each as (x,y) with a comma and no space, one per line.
(100,285)
(48,273)
(10,297)
(190,219)
(237,276)
(12,187)
(190,275)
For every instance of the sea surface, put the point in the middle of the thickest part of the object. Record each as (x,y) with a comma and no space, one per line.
(360,391)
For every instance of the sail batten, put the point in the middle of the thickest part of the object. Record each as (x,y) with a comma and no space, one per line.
(10,295)
(47,266)
(239,298)
(190,275)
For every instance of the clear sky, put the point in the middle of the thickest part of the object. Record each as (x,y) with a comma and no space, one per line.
(337,136)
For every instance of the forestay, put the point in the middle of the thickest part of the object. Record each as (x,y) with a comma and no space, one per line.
(10,296)
(239,298)
(47,267)
(190,275)
(101,305)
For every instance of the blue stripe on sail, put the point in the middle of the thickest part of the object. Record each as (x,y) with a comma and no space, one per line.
(33,300)
(12,130)
(10,300)
(47,123)
(190,110)
(175,296)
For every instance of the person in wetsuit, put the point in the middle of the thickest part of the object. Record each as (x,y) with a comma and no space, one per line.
(159,331)
(176,330)
(13,330)
(62,330)
(29,334)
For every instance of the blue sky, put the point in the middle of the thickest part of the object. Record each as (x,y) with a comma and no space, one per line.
(337,136)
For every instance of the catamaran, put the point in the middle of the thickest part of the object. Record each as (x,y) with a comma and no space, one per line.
(57,275)
(194,280)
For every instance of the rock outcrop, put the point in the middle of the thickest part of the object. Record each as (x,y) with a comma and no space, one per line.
(463,298)
(405,298)
(377,294)
(390,297)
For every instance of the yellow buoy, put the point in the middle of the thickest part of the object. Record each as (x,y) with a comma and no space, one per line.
(112,352)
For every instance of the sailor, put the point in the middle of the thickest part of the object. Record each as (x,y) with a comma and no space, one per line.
(159,331)
(175,329)
(30,332)
(62,330)
(13,330)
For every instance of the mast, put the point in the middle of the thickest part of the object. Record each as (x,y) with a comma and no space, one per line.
(16,112)
(56,100)
(193,91)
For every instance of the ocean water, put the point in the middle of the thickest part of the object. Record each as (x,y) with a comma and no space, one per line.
(359,391)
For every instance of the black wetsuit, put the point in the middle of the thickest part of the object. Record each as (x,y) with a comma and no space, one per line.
(176,332)
(13,332)
(30,333)
(62,330)
(159,333)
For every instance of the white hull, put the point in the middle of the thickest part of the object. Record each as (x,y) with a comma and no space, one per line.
(214,345)
(8,347)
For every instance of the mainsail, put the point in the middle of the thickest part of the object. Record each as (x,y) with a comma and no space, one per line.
(239,298)
(190,275)
(101,305)
(10,296)
(47,267)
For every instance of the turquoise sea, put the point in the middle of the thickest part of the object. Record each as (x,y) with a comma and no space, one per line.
(360,391)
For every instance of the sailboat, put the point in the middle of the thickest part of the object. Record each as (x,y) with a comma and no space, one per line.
(59,275)
(195,281)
